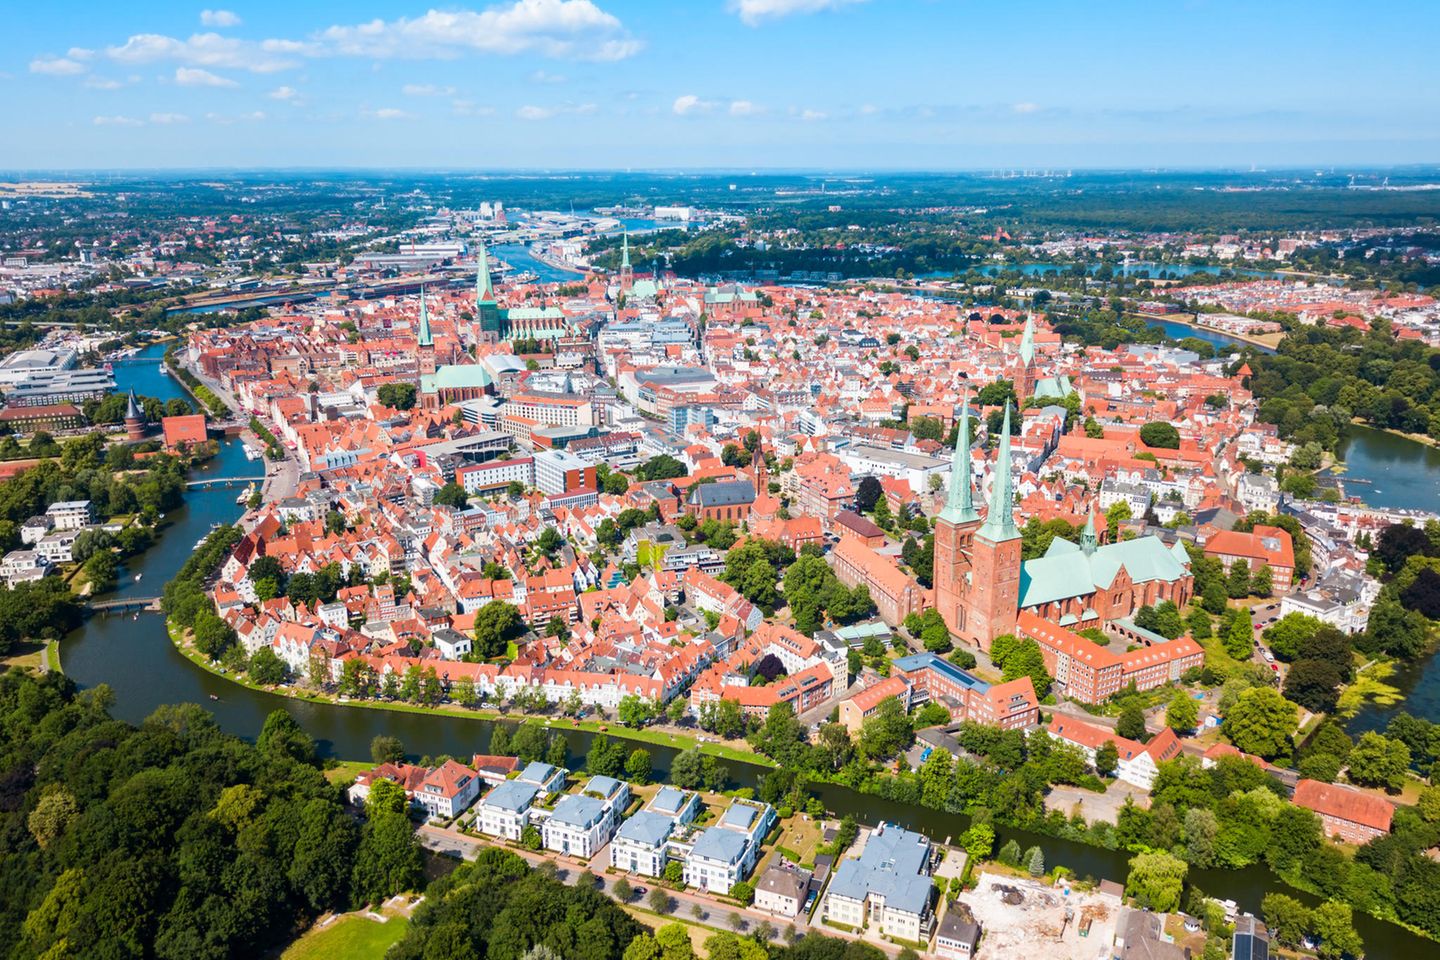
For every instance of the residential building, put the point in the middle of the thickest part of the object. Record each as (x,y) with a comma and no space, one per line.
(888,885)
(1138,762)
(1261,547)
(896,594)
(1251,940)
(855,710)
(782,889)
(958,934)
(1011,705)
(1349,814)
(505,811)
(724,854)
(582,823)
(448,790)
(642,844)
(1085,671)
(71,514)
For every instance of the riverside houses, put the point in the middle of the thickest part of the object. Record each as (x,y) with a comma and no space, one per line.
(642,844)
(725,854)
(506,810)
(582,823)
(888,884)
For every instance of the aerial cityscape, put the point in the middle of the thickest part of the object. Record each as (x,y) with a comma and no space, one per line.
(741,480)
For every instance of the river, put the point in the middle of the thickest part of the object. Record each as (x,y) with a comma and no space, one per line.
(135,657)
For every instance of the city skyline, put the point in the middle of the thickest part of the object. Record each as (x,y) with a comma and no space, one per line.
(766,84)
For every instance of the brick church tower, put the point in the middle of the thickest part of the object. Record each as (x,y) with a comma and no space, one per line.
(425,390)
(977,565)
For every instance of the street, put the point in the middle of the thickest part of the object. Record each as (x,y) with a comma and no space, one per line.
(689,906)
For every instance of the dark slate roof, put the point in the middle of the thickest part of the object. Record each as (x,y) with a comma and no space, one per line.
(724,493)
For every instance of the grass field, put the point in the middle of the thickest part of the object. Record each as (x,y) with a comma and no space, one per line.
(25,655)
(353,937)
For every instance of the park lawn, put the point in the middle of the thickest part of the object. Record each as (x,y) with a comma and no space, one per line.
(25,655)
(346,771)
(354,937)
(1217,658)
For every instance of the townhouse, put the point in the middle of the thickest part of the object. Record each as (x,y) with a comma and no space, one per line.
(887,887)
(724,854)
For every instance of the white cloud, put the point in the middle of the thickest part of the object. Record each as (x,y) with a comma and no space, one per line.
(255,115)
(562,29)
(426,90)
(1026,107)
(542,76)
(690,103)
(195,77)
(469,108)
(117,121)
(56,66)
(752,12)
(79,53)
(532,112)
(744,108)
(168,118)
(284,93)
(389,113)
(811,115)
(102,83)
(219,18)
(226,119)
(212,50)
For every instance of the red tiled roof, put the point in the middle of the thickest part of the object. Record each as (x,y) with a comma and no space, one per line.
(1343,803)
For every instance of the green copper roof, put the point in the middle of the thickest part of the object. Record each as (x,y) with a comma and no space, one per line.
(1067,571)
(424,338)
(534,313)
(1027,341)
(456,376)
(625,249)
(960,504)
(999,522)
(1088,540)
(1056,387)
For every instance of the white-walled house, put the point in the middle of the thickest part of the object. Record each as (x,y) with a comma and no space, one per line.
(448,790)
(505,811)
(726,853)
(582,823)
(887,885)
(642,844)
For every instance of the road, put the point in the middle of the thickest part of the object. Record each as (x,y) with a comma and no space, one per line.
(710,911)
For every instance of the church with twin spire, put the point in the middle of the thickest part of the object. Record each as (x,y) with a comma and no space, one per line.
(982,581)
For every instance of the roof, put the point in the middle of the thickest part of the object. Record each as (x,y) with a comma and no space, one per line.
(891,865)
(929,661)
(513,795)
(668,800)
(646,828)
(1344,804)
(723,493)
(538,773)
(1252,940)
(1066,571)
(784,881)
(578,810)
(958,925)
(719,843)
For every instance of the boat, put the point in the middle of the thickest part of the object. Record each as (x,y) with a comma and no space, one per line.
(213,697)
(138,576)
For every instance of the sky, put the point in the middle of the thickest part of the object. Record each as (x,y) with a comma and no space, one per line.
(729,84)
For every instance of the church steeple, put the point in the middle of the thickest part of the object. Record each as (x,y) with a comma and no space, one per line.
(484,291)
(424,338)
(960,503)
(1089,542)
(627,272)
(1027,341)
(1000,521)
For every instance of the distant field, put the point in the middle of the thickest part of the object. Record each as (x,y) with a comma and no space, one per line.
(353,937)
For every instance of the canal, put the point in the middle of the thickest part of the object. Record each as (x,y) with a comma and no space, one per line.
(133,655)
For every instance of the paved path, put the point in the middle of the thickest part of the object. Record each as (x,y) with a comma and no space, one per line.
(712,912)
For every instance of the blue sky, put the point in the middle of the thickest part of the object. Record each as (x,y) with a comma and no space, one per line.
(563,84)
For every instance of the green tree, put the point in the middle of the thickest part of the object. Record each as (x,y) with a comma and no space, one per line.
(496,624)
(398,395)
(1160,434)
(1333,923)
(1107,758)
(387,861)
(1261,722)
(1156,880)
(1182,714)
(1027,660)
(637,766)
(1131,725)
(452,495)
(1378,761)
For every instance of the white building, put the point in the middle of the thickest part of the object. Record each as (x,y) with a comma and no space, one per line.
(582,823)
(71,514)
(23,566)
(726,853)
(887,885)
(782,889)
(448,790)
(642,844)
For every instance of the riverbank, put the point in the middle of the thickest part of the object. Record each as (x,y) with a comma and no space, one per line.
(1265,341)
(179,638)
(1424,439)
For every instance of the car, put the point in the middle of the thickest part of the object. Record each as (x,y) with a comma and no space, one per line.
(1275,667)
(640,891)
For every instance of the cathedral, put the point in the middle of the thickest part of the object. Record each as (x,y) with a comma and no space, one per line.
(981,582)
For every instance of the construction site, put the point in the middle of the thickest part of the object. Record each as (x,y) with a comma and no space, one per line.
(1021,919)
